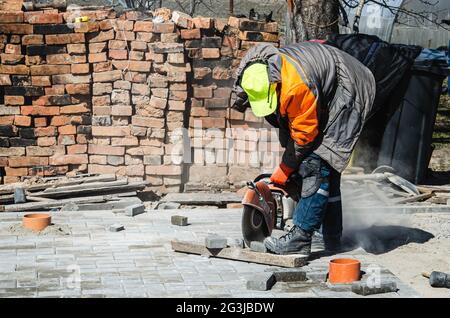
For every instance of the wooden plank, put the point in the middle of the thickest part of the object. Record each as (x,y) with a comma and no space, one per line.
(414,198)
(86,186)
(203,198)
(104,188)
(239,254)
(426,188)
(33,206)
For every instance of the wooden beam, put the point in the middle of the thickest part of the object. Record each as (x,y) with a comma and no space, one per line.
(240,254)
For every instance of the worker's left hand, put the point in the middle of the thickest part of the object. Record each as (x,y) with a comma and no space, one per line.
(281,174)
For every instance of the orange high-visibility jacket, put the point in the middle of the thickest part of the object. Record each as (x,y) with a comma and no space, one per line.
(325,97)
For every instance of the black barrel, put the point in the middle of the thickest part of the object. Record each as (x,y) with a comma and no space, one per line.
(406,141)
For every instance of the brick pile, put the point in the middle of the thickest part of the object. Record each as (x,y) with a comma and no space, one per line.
(233,153)
(110,96)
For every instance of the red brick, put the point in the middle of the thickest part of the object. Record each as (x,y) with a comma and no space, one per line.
(60,120)
(117,45)
(65,59)
(203,23)
(123,25)
(210,53)
(79,68)
(136,66)
(16,172)
(45,131)
(76,149)
(40,122)
(46,18)
(76,48)
(87,27)
(142,121)
(49,69)
(70,78)
(102,67)
(116,131)
(203,92)
(14,100)
(46,141)
(5,80)
(66,140)
(106,24)
(16,29)
(72,159)
(97,57)
(122,110)
(125,35)
(67,130)
(146,36)
(166,27)
(64,38)
(6,120)
(55,90)
(118,54)
(191,34)
(41,81)
(110,76)
(22,120)
(101,110)
(106,150)
(40,151)
(27,161)
(14,69)
(102,169)
(11,17)
(32,39)
(13,49)
(40,110)
(101,36)
(103,100)
(164,170)
(143,26)
(81,89)
(97,47)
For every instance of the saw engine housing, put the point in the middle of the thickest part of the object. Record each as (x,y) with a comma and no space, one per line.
(267,206)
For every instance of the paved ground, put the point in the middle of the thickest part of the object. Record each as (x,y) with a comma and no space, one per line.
(137,262)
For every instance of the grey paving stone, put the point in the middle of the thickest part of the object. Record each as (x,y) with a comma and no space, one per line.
(263,281)
(215,241)
(134,209)
(259,247)
(362,288)
(288,274)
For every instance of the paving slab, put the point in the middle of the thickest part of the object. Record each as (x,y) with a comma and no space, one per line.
(139,262)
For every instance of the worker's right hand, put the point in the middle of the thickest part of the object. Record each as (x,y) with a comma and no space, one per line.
(281,174)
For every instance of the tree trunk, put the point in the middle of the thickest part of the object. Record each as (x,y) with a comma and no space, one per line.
(311,19)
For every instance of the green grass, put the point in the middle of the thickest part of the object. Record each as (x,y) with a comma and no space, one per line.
(441,134)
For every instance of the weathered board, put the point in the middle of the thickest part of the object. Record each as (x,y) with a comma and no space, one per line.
(239,254)
(203,198)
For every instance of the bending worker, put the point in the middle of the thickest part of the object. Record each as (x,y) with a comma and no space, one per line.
(319,97)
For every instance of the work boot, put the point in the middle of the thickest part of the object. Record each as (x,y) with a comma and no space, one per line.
(296,241)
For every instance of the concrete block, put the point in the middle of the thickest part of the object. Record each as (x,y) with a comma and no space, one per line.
(134,209)
(317,276)
(116,227)
(262,282)
(179,220)
(256,246)
(288,274)
(236,242)
(215,241)
(19,195)
(361,288)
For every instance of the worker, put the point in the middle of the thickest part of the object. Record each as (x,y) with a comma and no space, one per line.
(319,97)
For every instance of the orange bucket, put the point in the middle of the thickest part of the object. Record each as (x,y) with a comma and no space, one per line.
(344,270)
(36,221)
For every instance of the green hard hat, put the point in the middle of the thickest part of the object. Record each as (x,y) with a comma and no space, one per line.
(261,94)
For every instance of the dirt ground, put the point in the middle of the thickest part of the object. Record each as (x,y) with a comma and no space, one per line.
(407,245)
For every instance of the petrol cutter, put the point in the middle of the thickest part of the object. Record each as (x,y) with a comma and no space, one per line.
(268,206)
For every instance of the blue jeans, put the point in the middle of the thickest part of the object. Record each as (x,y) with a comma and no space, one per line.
(320,203)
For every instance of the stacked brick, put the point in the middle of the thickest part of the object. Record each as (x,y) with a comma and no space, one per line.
(139,97)
(111,95)
(45,92)
(232,153)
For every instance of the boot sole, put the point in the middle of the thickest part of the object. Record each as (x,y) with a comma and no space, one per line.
(304,250)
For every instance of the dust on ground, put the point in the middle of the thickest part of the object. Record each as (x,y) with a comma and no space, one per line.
(409,245)
(51,230)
